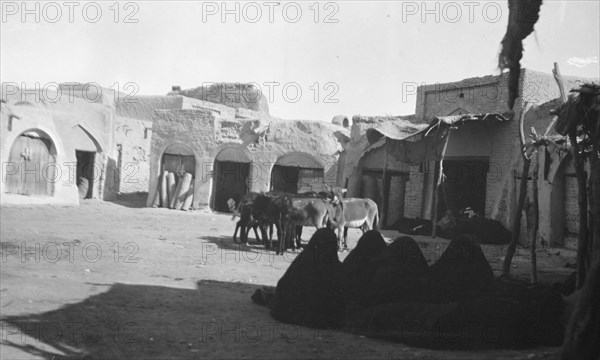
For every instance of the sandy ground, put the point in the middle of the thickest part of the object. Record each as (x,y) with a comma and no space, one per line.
(115,281)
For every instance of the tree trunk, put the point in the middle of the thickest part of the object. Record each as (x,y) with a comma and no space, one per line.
(582,199)
(516,223)
(436,191)
(536,218)
(595,189)
(594,238)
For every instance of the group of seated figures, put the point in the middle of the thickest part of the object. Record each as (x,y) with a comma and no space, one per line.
(390,291)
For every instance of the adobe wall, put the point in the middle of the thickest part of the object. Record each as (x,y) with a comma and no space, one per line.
(264,140)
(232,95)
(132,141)
(65,121)
(489,94)
(133,135)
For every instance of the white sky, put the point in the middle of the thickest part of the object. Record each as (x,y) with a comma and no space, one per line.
(373,50)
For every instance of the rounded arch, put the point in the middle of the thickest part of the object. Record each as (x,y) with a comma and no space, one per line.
(176,162)
(32,159)
(178,158)
(84,139)
(39,133)
(178,148)
(229,147)
(299,159)
(297,172)
(58,149)
(233,154)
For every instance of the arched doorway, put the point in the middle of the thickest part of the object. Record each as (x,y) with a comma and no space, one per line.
(179,159)
(297,173)
(230,177)
(88,163)
(178,171)
(33,155)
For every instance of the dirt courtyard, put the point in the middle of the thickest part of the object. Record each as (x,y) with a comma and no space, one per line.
(115,281)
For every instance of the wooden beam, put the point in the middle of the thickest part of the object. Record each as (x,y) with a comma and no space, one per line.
(563,95)
(437,184)
(516,222)
(536,217)
(384,203)
(582,199)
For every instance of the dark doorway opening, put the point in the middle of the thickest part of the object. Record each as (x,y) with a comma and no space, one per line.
(177,161)
(179,164)
(231,182)
(388,193)
(464,185)
(33,158)
(285,178)
(294,179)
(297,172)
(85,173)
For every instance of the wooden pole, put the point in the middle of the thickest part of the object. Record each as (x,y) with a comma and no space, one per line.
(582,199)
(536,217)
(563,94)
(437,185)
(384,203)
(516,221)
(595,190)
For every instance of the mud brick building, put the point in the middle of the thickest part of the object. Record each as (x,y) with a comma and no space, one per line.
(80,141)
(235,146)
(482,158)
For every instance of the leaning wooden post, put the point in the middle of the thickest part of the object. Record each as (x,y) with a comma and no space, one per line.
(536,216)
(516,222)
(563,95)
(384,203)
(438,183)
(595,190)
(582,199)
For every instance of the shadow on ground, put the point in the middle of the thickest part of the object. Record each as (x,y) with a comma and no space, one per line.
(253,245)
(132,200)
(141,322)
(214,321)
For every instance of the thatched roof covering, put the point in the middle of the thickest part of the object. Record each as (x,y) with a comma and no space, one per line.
(403,130)
(397,130)
(416,143)
(365,119)
(580,108)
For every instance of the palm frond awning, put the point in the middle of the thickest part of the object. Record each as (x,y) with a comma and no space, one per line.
(416,143)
